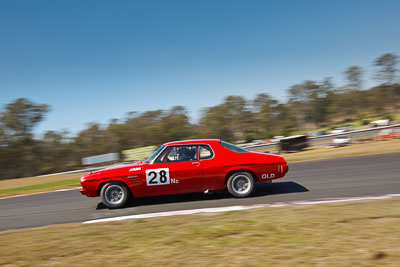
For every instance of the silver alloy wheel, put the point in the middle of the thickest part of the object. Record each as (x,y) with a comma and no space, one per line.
(241,184)
(114,194)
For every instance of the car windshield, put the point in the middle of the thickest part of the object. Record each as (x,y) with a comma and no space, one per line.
(154,154)
(233,147)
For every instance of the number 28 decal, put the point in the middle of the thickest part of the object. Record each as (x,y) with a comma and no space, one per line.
(157,176)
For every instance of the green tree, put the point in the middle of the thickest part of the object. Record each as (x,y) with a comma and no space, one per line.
(55,152)
(20,117)
(387,68)
(265,111)
(311,102)
(230,120)
(20,152)
(133,134)
(175,125)
(239,116)
(353,76)
(214,123)
(91,141)
(114,135)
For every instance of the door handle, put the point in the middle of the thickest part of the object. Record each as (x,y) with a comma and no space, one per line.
(195,163)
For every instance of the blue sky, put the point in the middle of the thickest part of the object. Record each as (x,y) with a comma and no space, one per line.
(97,60)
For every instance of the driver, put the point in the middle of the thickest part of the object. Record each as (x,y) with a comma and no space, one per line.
(186,154)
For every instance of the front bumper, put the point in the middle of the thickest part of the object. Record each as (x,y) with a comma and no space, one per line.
(84,191)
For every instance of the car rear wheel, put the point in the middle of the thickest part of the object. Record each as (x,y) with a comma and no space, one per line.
(114,195)
(240,184)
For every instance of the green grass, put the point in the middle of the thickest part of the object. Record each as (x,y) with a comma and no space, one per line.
(61,184)
(363,233)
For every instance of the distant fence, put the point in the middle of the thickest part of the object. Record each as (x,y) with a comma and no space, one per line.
(327,139)
(140,153)
(100,159)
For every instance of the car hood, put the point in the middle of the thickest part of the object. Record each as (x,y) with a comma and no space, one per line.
(116,171)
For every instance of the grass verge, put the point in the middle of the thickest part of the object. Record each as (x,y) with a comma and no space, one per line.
(364,233)
(39,184)
(61,184)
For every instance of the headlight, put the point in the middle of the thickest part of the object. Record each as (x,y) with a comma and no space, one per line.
(83,179)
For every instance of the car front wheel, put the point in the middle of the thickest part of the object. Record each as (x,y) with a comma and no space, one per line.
(240,184)
(114,195)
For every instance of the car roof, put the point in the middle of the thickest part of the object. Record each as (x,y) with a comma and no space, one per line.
(194,141)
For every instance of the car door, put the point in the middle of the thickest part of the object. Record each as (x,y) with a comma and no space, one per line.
(176,170)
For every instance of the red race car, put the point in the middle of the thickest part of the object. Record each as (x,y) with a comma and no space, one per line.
(183,167)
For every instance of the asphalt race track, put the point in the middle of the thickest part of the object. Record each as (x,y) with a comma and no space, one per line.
(370,175)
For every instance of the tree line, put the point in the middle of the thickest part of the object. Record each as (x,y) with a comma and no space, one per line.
(310,105)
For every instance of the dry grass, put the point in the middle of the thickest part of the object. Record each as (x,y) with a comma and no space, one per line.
(363,233)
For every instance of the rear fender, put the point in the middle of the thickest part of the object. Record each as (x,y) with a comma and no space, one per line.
(239,169)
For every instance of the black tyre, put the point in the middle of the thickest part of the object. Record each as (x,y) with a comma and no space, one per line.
(114,195)
(240,184)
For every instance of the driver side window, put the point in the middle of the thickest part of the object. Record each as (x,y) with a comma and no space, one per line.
(178,154)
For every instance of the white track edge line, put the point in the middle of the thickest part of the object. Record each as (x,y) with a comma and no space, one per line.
(237,208)
(67,189)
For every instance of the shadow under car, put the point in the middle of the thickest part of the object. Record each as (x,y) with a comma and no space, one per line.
(260,190)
